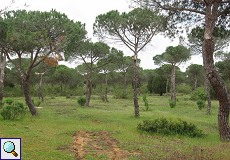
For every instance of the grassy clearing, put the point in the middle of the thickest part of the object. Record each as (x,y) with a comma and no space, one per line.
(49,136)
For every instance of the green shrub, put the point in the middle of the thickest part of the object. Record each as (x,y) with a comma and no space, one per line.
(200,104)
(146,103)
(81,101)
(119,92)
(184,88)
(15,110)
(168,127)
(8,101)
(199,94)
(36,103)
(172,103)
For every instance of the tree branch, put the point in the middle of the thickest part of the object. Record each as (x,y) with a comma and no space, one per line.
(168,8)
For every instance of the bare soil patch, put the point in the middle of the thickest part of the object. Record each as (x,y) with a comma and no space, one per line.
(98,145)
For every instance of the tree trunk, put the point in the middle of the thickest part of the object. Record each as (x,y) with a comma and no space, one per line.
(195,83)
(106,90)
(135,87)
(207,88)
(215,80)
(40,95)
(88,91)
(173,84)
(166,88)
(26,91)
(2,69)
(125,85)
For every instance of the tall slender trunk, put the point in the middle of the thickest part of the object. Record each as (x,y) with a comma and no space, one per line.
(26,91)
(40,95)
(215,80)
(173,84)
(106,90)
(195,83)
(125,85)
(2,74)
(135,86)
(166,88)
(88,90)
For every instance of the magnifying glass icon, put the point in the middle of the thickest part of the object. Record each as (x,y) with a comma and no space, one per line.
(9,147)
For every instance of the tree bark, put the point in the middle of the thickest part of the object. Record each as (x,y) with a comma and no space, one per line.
(40,95)
(125,85)
(173,84)
(207,88)
(26,91)
(166,88)
(195,83)
(2,74)
(88,90)
(106,90)
(215,80)
(135,87)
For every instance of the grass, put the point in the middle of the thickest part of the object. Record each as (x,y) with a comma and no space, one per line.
(49,136)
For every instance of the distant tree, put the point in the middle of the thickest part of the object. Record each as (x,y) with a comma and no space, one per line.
(195,72)
(223,65)
(113,59)
(90,54)
(38,36)
(157,82)
(166,72)
(174,56)
(224,69)
(135,30)
(196,37)
(124,63)
(63,75)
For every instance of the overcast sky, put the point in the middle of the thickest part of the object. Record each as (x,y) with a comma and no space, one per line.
(86,11)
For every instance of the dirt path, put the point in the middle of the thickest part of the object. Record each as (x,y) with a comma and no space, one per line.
(98,145)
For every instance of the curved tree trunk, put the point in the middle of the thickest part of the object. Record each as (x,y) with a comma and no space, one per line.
(135,87)
(215,80)
(26,91)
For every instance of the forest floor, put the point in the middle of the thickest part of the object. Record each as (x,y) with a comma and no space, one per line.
(108,131)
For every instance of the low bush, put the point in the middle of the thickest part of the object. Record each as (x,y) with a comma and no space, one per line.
(184,88)
(168,127)
(199,94)
(81,101)
(8,101)
(15,110)
(200,104)
(146,103)
(172,103)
